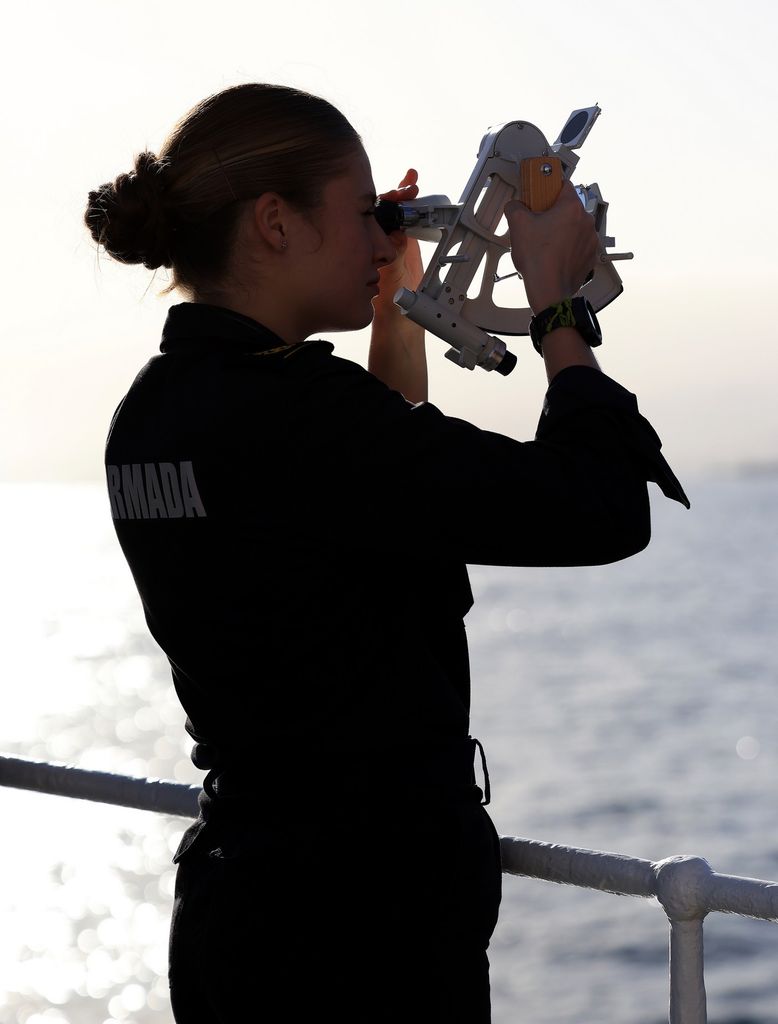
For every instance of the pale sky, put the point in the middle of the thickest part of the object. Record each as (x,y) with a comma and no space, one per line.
(685,152)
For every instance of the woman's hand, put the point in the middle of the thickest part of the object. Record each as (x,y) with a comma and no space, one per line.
(553,251)
(406,271)
(397,355)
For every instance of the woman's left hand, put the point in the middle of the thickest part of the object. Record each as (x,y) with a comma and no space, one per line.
(407,270)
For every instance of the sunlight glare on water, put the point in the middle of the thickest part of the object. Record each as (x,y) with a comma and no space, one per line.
(628,707)
(89,687)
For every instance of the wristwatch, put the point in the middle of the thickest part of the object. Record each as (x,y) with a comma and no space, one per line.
(577,313)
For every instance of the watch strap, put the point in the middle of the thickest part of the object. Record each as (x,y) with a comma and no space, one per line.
(560,314)
(570,312)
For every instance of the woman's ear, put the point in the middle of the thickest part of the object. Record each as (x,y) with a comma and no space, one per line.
(271,220)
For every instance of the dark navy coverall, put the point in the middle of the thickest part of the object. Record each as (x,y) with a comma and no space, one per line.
(299,535)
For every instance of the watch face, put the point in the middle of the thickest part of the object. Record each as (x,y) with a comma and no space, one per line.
(588,324)
(583,320)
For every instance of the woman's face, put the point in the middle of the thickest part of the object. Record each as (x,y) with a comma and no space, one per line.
(339,256)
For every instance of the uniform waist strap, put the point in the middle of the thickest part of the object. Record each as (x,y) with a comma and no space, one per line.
(418,766)
(242,803)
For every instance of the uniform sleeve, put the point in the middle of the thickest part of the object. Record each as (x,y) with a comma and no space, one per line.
(578,390)
(380,472)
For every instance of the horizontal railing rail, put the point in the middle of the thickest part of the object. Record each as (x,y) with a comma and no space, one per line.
(686,887)
(159,795)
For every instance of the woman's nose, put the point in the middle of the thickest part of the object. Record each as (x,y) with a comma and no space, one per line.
(385,250)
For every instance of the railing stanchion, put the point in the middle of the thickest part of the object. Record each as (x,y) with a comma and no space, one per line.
(687,984)
(683,887)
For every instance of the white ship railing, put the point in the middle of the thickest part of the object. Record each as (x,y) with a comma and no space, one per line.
(686,887)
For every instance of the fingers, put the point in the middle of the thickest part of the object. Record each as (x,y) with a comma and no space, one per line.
(567,196)
(513,206)
(566,213)
(554,250)
(411,177)
(407,189)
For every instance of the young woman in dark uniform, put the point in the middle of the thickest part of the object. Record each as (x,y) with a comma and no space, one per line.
(298,529)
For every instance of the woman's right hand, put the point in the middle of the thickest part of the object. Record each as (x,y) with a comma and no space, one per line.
(553,251)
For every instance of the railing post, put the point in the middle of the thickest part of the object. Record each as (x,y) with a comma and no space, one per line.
(683,886)
(687,984)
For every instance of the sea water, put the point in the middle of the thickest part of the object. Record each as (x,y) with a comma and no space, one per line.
(630,708)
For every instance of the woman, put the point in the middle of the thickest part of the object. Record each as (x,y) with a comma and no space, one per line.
(299,529)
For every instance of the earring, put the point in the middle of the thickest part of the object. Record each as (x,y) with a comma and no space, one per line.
(284,243)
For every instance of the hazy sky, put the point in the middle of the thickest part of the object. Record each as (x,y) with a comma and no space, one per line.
(685,152)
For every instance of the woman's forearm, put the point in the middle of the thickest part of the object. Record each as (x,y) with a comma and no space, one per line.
(398,355)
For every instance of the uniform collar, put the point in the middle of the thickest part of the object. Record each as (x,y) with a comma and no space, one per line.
(196,325)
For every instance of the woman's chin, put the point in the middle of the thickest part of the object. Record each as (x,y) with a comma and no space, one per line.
(351,323)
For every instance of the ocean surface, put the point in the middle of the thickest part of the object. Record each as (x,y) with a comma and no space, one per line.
(631,708)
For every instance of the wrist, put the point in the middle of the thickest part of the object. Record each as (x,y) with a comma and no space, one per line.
(387,313)
(576,313)
(390,327)
(564,348)
(546,290)
(538,301)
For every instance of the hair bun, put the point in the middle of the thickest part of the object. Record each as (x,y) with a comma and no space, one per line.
(128,217)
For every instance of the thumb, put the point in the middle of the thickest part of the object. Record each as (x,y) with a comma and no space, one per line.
(516,209)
